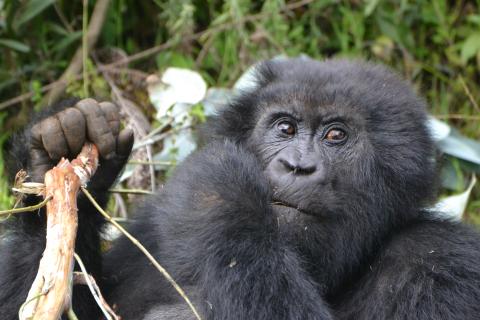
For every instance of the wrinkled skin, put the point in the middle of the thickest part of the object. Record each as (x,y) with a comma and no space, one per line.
(307,202)
(64,133)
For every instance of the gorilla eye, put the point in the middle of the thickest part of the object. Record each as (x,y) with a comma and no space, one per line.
(335,135)
(286,128)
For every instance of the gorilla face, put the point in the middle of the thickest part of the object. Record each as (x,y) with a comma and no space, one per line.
(343,146)
(303,150)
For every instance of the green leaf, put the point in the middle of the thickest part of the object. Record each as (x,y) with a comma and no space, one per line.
(453,207)
(67,40)
(370,7)
(470,47)
(31,10)
(474,18)
(15,45)
(460,147)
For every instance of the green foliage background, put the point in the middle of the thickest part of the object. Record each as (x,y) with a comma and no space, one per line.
(435,44)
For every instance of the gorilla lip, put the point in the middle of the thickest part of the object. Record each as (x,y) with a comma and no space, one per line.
(277,202)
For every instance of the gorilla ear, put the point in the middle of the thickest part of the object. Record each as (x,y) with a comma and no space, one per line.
(256,77)
(266,72)
(278,68)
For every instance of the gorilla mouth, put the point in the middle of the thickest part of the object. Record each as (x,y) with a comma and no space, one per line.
(288,205)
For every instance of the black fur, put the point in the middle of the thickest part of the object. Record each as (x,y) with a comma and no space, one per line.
(263,225)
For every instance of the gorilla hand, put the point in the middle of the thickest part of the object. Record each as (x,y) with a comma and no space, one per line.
(63,134)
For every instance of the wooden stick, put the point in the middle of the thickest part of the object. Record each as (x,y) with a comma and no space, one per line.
(51,291)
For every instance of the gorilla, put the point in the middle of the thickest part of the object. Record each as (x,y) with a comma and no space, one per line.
(311,199)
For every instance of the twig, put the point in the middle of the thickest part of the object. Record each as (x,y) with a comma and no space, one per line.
(468,93)
(145,252)
(63,19)
(151,167)
(457,116)
(22,307)
(157,138)
(85,278)
(85,47)
(155,163)
(26,209)
(71,314)
(130,72)
(131,191)
(120,207)
(160,129)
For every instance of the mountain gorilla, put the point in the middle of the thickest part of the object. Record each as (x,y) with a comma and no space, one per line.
(309,201)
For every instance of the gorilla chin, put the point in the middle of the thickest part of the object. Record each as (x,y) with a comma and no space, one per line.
(287,213)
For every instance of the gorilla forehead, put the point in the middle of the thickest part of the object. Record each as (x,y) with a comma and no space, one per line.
(337,86)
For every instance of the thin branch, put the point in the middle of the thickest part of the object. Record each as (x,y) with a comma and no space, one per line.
(120,207)
(145,252)
(160,129)
(129,72)
(26,209)
(85,278)
(85,46)
(63,19)
(457,116)
(157,138)
(131,191)
(71,314)
(469,93)
(155,163)
(151,167)
(25,304)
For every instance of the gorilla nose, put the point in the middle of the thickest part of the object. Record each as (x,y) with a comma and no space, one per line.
(297,167)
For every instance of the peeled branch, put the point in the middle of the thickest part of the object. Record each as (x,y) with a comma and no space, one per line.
(51,291)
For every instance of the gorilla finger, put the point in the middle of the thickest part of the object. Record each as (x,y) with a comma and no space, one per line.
(111,112)
(40,161)
(100,135)
(98,130)
(40,164)
(73,125)
(125,142)
(38,172)
(53,138)
(89,107)
(36,136)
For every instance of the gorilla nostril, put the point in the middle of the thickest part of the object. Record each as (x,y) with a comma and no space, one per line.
(308,169)
(287,164)
(298,168)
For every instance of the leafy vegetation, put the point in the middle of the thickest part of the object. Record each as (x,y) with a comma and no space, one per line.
(434,44)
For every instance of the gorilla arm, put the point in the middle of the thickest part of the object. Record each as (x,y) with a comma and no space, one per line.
(217,229)
(60,131)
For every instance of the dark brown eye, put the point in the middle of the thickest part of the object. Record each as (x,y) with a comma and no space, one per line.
(335,135)
(286,128)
